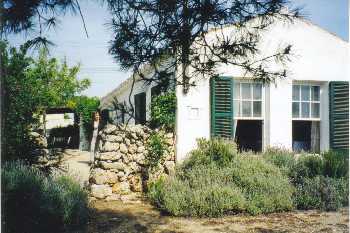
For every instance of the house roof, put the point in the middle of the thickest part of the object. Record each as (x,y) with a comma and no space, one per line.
(147,68)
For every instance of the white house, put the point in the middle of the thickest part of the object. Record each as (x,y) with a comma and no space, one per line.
(309,110)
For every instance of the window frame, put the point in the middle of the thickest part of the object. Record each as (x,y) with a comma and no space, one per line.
(310,102)
(251,100)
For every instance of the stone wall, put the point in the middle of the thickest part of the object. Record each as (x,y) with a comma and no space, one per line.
(120,168)
(43,158)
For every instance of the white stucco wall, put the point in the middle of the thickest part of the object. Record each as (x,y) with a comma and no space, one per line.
(318,57)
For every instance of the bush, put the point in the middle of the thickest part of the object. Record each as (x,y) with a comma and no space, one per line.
(336,164)
(321,192)
(210,185)
(306,166)
(163,109)
(282,158)
(218,151)
(200,194)
(157,148)
(33,202)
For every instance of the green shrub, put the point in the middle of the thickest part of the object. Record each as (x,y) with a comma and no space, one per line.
(40,203)
(163,109)
(322,193)
(201,192)
(218,151)
(306,166)
(207,185)
(282,158)
(157,148)
(265,187)
(336,164)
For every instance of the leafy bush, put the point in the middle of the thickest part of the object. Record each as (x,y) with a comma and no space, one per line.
(163,109)
(33,202)
(197,195)
(282,158)
(207,185)
(336,163)
(320,181)
(218,151)
(157,148)
(84,107)
(30,86)
(321,192)
(306,166)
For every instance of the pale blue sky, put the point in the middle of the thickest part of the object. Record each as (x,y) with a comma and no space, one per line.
(98,65)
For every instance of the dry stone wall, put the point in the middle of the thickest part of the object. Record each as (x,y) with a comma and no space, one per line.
(121,167)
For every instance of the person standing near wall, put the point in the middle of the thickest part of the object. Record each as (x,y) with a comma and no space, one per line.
(96,121)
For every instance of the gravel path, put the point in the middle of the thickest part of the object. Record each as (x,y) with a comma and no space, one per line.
(113,217)
(77,163)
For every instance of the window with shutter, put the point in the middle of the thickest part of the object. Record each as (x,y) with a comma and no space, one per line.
(222,107)
(339,115)
(140,108)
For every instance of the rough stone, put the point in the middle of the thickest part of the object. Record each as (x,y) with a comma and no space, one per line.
(134,167)
(112,138)
(115,165)
(139,143)
(123,148)
(139,158)
(113,197)
(100,176)
(140,149)
(169,167)
(124,167)
(136,183)
(120,174)
(169,135)
(134,136)
(110,146)
(113,156)
(121,188)
(109,128)
(132,149)
(100,191)
(169,141)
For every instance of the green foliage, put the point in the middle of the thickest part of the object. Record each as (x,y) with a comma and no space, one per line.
(84,107)
(218,151)
(33,202)
(323,193)
(321,182)
(30,86)
(282,158)
(306,166)
(163,110)
(207,185)
(336,163)
(157,148)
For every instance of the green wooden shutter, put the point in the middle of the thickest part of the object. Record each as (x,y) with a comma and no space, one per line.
(222,107)
(339,115)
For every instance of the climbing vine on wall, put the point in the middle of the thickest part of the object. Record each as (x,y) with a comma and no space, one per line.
(163,109)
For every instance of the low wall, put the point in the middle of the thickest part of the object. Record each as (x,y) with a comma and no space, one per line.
(120,167)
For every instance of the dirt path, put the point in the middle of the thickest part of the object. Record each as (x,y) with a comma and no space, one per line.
(77,164)
(118,217)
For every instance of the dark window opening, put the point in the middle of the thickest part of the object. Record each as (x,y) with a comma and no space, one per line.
(249,135)
(140,108)
(306,136)
(155,91)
